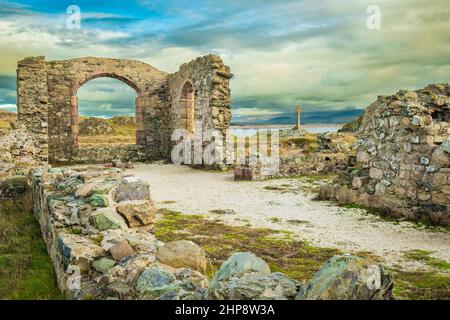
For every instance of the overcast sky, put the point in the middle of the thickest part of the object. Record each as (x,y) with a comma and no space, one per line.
(317,53)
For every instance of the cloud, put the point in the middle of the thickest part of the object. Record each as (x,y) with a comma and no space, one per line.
(283,53)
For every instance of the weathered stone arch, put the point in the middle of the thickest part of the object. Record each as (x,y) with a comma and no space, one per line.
(108,75)
(187,107)
(210,79)
(139,107)
(47,103)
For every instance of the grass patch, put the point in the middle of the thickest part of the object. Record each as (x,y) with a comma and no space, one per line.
(26,272)
(421,286)
(308,143)
(168,202)
(274,220)
(425,256)
(282,252)
(297,259)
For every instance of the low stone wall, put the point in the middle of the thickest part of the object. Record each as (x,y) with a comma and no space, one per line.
(403,157)
(104,154)
(98,225)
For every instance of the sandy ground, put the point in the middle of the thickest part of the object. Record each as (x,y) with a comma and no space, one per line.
(286,204)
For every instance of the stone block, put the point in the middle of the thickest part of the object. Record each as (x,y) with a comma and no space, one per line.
(121,250)
(138,213)
(376,173)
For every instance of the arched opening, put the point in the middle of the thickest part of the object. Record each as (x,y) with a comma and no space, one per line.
(187,108)
(104,112)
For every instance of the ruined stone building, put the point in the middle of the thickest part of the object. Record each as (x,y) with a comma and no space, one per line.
(48,105)
(403,157)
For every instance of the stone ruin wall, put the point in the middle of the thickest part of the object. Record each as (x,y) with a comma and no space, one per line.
(403,157)
(47,104)
(210,79)
(99,226)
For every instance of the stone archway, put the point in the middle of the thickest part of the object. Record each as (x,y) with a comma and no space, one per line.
(48,106)
(139,108)
(187,107)
(64,78)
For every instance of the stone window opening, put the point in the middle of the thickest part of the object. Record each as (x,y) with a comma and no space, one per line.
(107,129)
(187,108)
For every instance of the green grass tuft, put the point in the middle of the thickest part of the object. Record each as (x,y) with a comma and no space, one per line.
(26,271)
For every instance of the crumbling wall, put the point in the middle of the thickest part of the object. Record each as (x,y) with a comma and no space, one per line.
(98,226)
(32,100)
(48,105)
(403,157)
(210,79)
(64,78)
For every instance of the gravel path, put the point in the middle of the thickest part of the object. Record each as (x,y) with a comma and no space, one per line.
(286,204)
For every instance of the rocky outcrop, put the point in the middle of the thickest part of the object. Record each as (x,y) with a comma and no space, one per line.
(348,277)
(403,162)
(245,276)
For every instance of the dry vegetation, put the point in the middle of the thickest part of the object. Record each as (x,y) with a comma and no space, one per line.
(123,132)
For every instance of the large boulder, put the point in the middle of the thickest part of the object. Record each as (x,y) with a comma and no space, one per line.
(182,254)
(347,277)
(257,286)
(235,267)
(159,282)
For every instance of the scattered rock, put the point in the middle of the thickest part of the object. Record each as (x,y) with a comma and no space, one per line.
(119,164)
(138,213)
(103,265)
(236,266)
(130,189)
(121,250)
(348,277)
(182,253)
(256,286)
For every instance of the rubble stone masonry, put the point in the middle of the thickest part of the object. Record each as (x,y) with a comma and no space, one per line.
(403,157)
(48,104)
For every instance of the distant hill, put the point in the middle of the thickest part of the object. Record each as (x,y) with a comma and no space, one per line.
(309,117)
(117,126)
